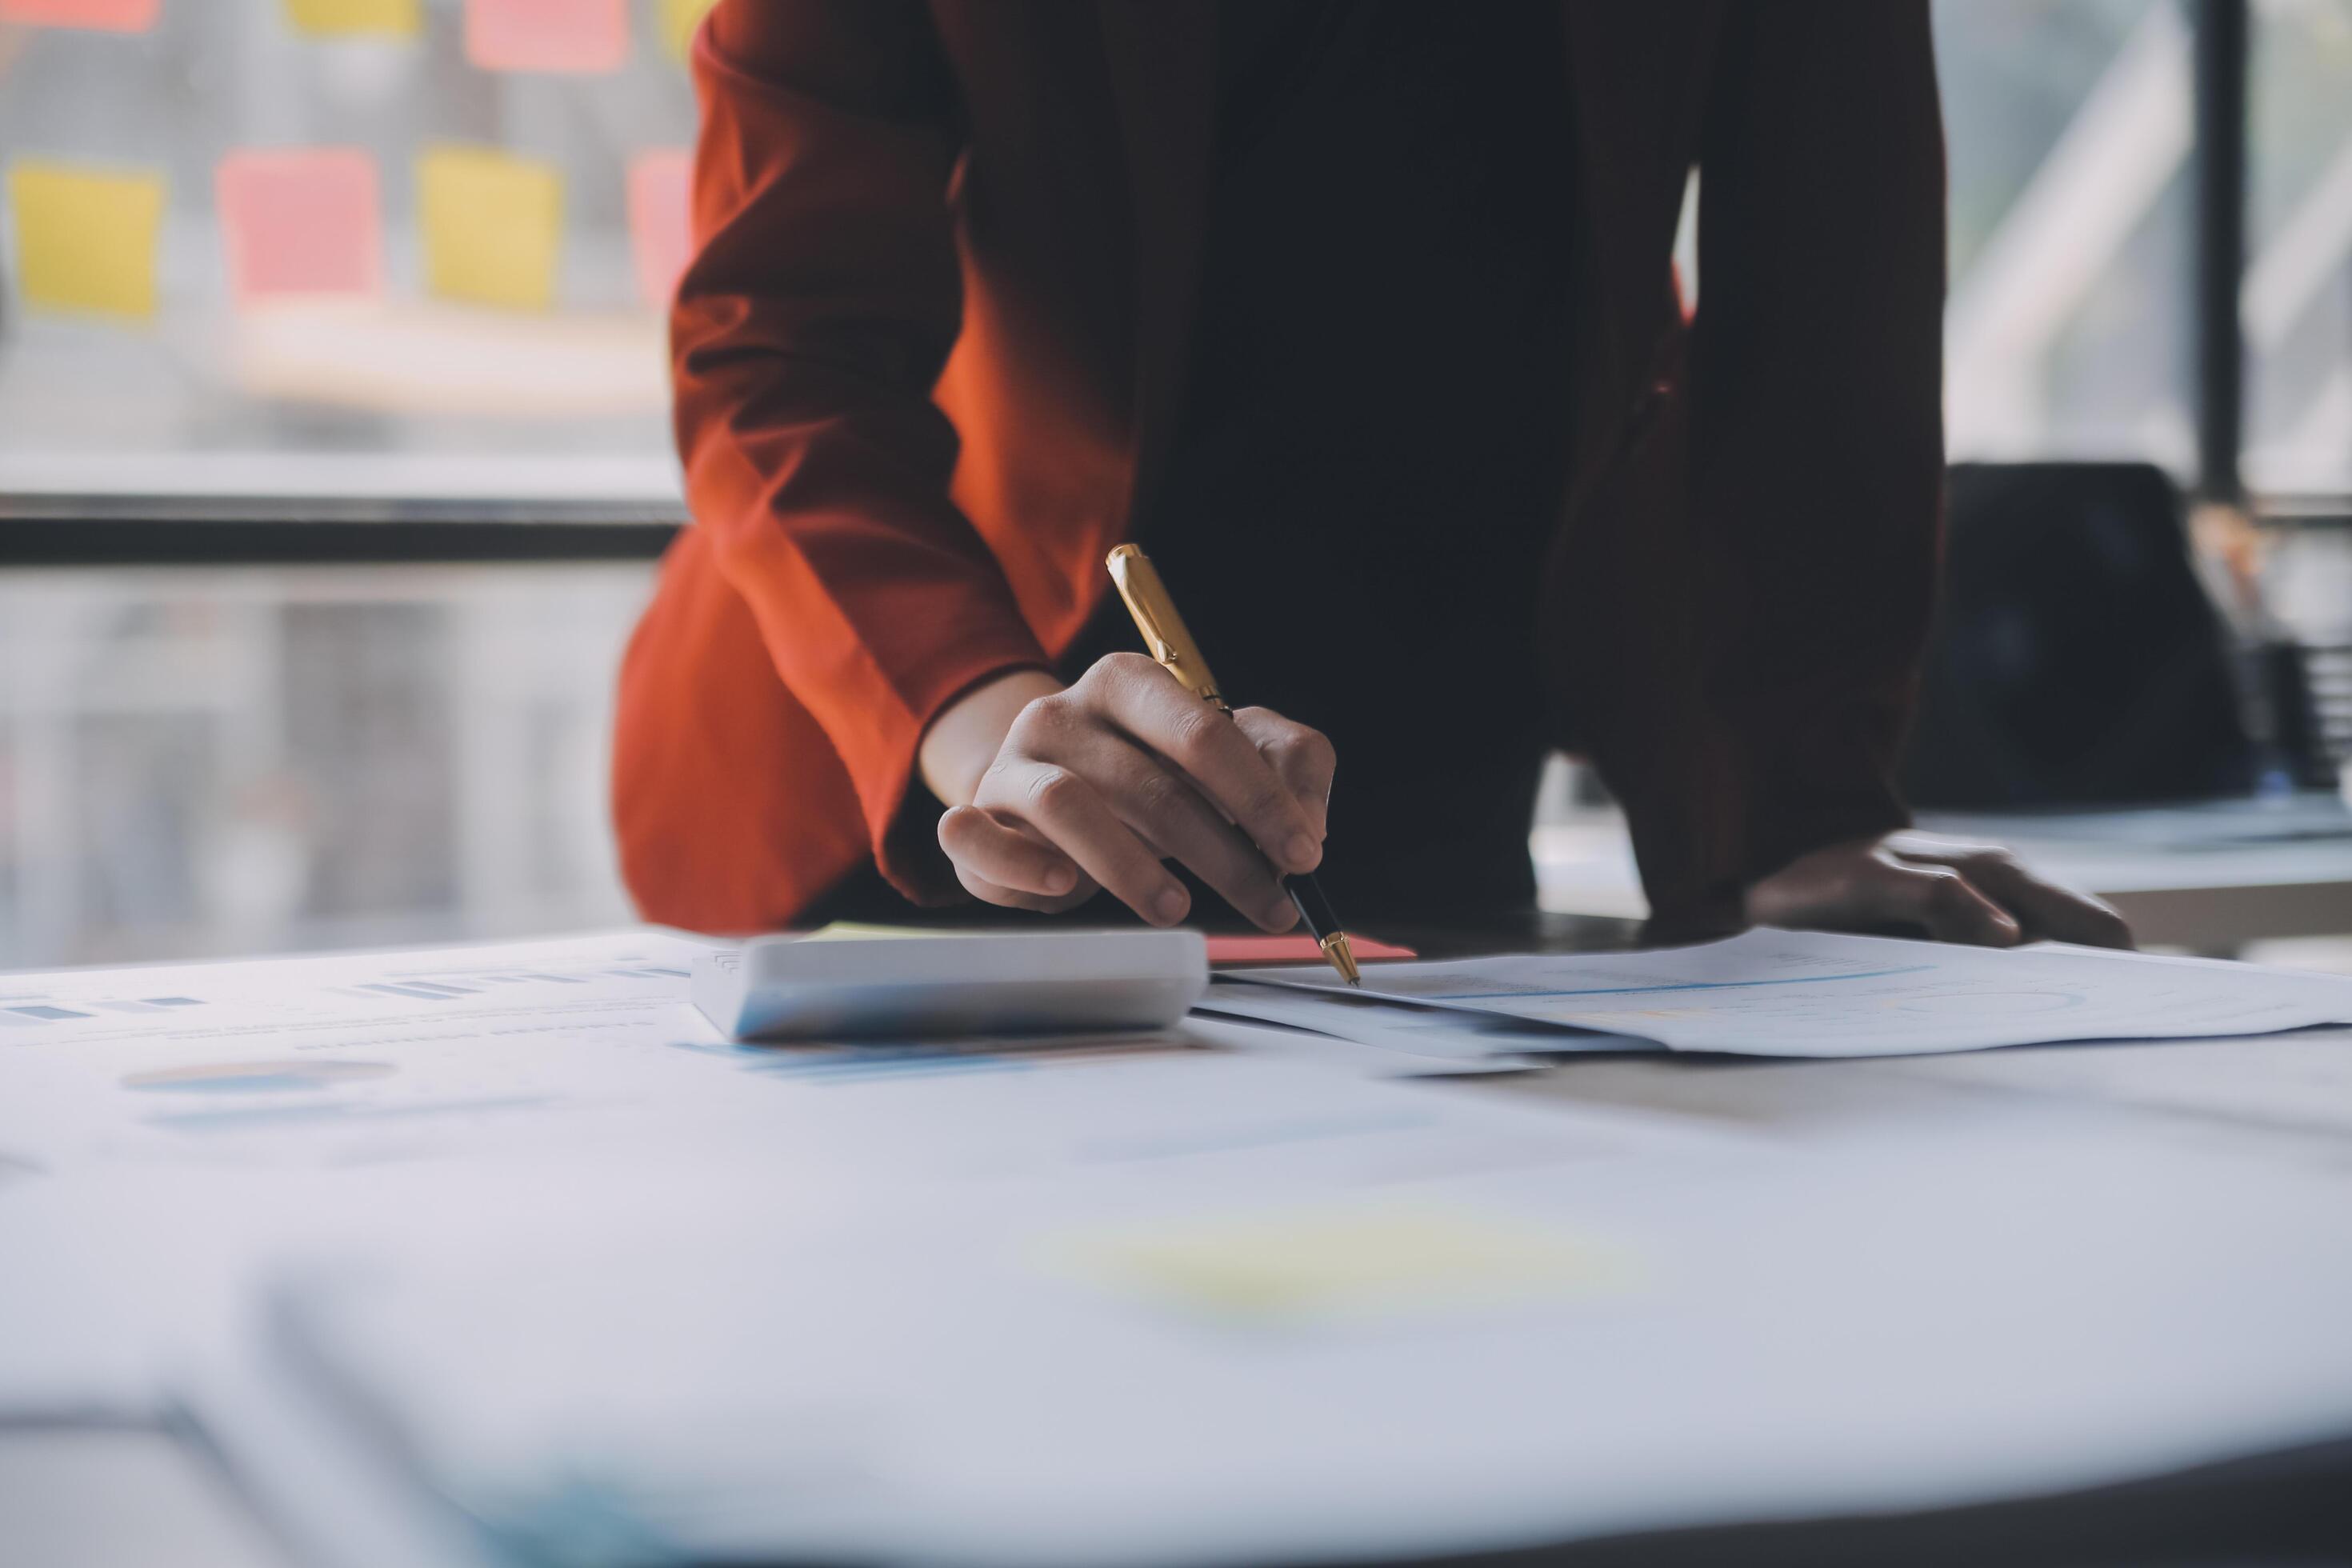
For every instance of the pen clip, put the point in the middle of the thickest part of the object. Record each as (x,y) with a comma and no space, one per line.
(1154,643)
(1164,633)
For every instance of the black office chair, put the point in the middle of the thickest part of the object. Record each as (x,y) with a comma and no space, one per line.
(2076,660)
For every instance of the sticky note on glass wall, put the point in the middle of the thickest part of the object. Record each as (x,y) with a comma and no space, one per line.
(661,220)
(547,35)
(493,227)
(677,20)
(300,223)
(99,16)
(86,238)
(356,19)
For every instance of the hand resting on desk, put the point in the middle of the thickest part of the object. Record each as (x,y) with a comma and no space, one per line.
(1950,889)
(1053,793)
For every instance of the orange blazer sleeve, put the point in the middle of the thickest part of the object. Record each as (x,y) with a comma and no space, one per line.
(1816,405)
(822,303)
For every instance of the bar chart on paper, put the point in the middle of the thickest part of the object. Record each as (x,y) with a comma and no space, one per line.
(335,990)
(263,1077)
(339,1056)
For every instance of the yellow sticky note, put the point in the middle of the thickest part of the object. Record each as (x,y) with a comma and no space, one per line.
(866,930)
(347,18)
(86,239)
(493,227)
(1344,1262)
(679,19)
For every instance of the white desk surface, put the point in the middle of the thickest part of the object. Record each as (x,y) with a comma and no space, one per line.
(2284,1099)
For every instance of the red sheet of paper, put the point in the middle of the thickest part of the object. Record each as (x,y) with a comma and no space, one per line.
(1294,946)
(300,223)
(99,16)
(661,229)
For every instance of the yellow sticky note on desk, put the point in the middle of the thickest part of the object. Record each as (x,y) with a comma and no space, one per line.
(679,19)
(861,931)
(86,239)
(493,227)
(1345,1262)
(349,18)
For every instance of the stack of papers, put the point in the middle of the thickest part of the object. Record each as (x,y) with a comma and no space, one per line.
(1805,993)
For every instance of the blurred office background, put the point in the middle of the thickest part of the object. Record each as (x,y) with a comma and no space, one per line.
(312,586)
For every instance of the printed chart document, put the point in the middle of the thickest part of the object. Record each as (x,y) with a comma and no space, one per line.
(1812,994)
(342,1058)
(590,1047)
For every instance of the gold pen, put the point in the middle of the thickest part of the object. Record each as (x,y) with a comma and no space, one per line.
(1164,635)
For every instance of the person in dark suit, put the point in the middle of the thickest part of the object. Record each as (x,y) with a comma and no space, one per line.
(1361,316)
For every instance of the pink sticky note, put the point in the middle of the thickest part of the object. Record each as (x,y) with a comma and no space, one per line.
(301,222)
(661,220)
(1291,947)
(99,16)
(547,35)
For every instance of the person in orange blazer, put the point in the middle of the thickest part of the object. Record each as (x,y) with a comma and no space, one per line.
(1361,316)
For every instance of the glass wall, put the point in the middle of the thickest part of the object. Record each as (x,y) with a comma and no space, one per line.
(415,246)
(2070,125)
(296,246)
(2070,332)
(2298,301)
(196,762)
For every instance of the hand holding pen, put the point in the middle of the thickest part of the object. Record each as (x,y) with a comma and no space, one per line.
(1172,647)
(1055,792)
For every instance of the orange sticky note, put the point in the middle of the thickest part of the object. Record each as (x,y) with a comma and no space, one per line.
(1289,947)
(86,239)
(97,16)
(493,227)
(677,20)
(547,35)
(661,220)
(299,222)
(356,19)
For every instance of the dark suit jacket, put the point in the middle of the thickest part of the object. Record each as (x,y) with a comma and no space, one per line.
(930,348)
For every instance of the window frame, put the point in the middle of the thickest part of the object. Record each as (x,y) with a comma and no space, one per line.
(205,531)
